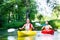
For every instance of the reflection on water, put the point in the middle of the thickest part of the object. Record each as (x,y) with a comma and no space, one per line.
(11,38)
(28,38)
(25,38)
(39,36)
(45,37)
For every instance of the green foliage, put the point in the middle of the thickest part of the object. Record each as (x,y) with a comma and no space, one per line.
(1,1)
(56,11)
(10,12)
(32,16)
(40,17)
(13,25)
(55,23)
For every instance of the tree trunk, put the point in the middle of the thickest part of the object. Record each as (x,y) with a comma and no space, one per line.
(28,10)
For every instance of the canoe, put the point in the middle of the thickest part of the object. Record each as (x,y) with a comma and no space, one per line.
(50,31)
(26,33)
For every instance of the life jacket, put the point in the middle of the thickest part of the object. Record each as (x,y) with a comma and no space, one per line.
(45,28)
(30,27)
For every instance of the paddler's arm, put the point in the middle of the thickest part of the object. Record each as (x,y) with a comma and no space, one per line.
(50,26)
(32,26)
(22,27)
(43,27)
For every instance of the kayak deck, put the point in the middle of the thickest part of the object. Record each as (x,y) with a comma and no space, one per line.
(26,33)
(48,32)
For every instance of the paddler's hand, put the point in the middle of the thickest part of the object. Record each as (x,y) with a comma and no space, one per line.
(20,28)
(33,28)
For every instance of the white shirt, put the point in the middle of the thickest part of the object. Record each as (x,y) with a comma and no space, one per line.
(48,26)
(27,26)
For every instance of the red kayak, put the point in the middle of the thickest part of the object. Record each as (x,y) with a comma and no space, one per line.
(50,31)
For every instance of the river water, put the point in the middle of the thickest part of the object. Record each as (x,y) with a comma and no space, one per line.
(4,35)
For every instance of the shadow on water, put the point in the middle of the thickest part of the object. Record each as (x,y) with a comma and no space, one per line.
(13,36)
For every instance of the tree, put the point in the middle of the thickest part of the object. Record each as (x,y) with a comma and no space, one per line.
(56,11)
(40,17)
(15,10)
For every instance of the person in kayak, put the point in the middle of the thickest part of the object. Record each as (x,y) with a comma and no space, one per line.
(47,29)
(27,26)
(46,26)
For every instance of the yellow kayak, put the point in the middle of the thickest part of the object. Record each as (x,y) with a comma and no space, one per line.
(26,33)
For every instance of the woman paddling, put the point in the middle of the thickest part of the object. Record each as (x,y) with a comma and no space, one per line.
(28,26)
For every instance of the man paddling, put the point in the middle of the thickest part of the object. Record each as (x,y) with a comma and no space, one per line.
(47,26)
(47,29)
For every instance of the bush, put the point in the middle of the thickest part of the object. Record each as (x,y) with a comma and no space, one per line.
(13,25)
(55,23)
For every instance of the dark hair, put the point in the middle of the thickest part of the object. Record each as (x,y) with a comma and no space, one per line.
(47,21)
